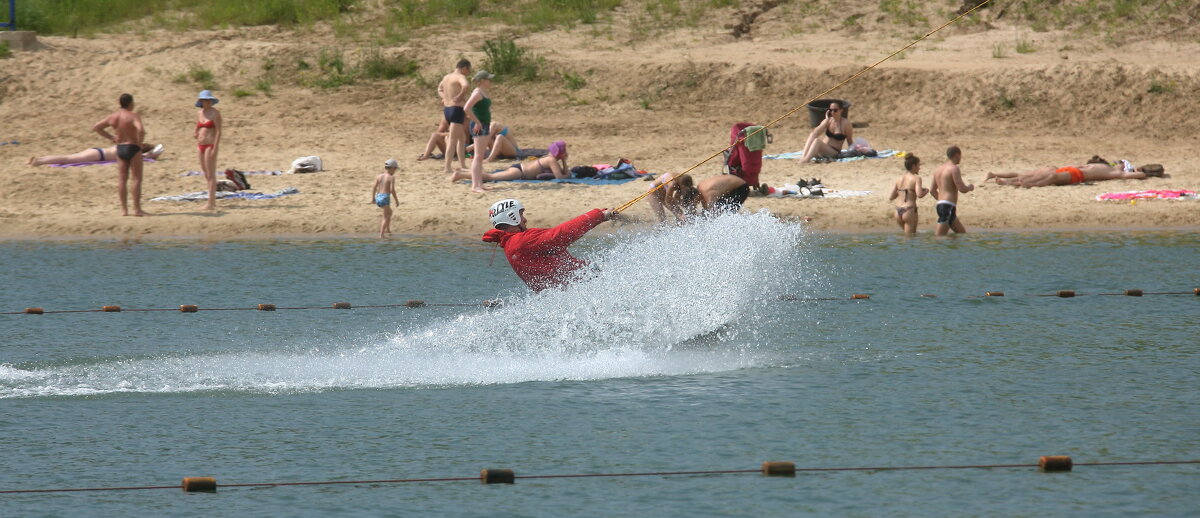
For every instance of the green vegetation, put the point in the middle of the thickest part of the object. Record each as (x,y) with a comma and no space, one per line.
(406,15)
(241,92)
(1158,88)
(202,76)
(1025,46)
(998,51)
(333,70)
(79,16)
(904,12)
(506,59)
(573,81)
(5,53)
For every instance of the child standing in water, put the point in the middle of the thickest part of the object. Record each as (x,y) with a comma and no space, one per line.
(908,189)
(383,193)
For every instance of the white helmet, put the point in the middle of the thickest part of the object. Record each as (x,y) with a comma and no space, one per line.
(506,212)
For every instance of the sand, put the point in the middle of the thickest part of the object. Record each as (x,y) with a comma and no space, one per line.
(666,103)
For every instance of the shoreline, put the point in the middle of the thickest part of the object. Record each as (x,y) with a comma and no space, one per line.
(409,236)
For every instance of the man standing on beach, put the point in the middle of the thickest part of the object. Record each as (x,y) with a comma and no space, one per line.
(947,183)
(453,91)
(128,139)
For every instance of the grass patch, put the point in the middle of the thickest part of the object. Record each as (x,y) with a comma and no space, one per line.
(201,76)
(1159,88)
(91,16)
(998,51)
(334,69)
(263,85)
(904,12)
(573,81)
(504,57)
(1025,46)
(241,92)
(5,52)
(375,65)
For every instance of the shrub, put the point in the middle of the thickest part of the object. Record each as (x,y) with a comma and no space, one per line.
(5,53)
(375,65)
(503,57)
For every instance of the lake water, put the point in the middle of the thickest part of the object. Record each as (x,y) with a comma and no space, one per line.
(677,354)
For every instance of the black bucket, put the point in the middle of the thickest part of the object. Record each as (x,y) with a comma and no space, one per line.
(817,108)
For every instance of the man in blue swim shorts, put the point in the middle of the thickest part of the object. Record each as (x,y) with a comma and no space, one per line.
(383,193)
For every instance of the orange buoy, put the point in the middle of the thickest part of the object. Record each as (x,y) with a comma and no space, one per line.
(779,468)
(1133,293)
(341,305)
(194,484)
(189,308)
(110,309)
(1055,463)
(497,476)
(1196,292)
(929,295)
(266,307)
(414,303)
(1066,294)
(859,296)
(34,311)
(993,294)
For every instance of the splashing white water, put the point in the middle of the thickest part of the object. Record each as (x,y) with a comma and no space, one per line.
(674,301)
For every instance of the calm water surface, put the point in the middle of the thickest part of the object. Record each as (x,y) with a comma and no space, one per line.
(677,354)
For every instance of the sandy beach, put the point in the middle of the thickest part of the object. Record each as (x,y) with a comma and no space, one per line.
(665,104)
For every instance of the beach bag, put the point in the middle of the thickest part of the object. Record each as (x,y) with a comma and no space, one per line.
(238,179)
(307,164)
(583,171)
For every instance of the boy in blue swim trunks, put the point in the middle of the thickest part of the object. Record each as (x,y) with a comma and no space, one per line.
(383,193)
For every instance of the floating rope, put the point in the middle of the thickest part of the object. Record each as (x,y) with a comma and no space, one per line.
(1049,463)
(419,303)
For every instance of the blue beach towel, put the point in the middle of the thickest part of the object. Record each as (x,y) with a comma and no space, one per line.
(225,195)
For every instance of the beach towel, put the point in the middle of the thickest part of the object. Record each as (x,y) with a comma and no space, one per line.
(740,161)
(1148,195)
(201,173)
(793,191)
(103,162)
(241,195)
(796,155)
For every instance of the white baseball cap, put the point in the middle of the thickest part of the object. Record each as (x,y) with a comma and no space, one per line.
(391,163)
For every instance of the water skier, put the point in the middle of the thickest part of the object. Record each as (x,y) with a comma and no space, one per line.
(539,256)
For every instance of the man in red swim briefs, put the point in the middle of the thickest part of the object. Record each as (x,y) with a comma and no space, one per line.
(539,256)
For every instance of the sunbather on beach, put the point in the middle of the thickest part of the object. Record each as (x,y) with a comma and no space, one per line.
(437,139)
(554,163)
(678,197)
(129,133)
(95,154)
(837,133)
(503,146)
(908,188)
(208,141)
(1097,170)
(723,193)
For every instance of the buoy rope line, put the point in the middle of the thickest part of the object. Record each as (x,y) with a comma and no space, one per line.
(1049,463)
(798,107)
(192,308)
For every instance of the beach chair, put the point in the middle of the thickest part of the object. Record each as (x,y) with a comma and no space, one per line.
(744,160)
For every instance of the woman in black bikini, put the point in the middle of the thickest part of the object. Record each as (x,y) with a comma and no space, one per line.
(838,132)
(910,186)
(552,165)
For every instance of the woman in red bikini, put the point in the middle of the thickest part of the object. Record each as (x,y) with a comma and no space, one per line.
(208,140)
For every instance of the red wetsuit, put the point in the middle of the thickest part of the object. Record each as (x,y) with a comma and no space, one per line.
(539,255)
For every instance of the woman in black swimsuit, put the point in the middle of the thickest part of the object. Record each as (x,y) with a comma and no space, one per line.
(838,132)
